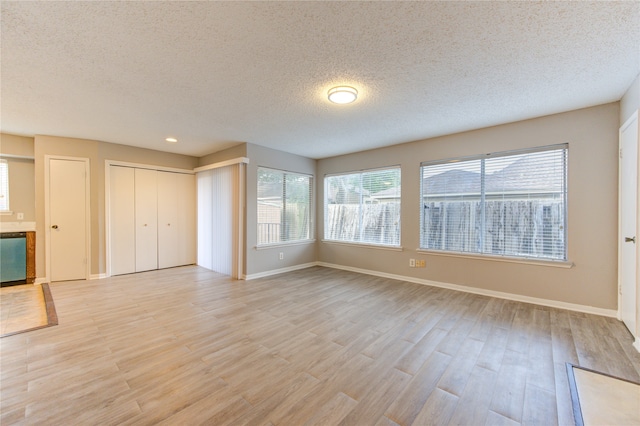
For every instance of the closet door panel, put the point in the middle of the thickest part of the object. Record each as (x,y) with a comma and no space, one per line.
(168,223)
(146,205)
(187,201)
(122,232)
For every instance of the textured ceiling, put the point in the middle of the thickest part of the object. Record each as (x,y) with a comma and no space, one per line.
(213,74)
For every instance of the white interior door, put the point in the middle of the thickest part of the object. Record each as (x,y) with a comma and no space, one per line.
(67,205)
(168,226)
(628,199)
(122,229)
(146,205)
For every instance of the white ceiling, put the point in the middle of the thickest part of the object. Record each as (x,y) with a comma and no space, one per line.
(214,74)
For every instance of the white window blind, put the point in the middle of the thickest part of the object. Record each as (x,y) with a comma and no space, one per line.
(284,206)
(505,204)
(4,185)
(363,207)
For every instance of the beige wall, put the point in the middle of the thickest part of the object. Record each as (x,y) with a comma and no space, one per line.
(237,151)
(592,135)
(97,152)
(19,146)
(630,102)
(267,259)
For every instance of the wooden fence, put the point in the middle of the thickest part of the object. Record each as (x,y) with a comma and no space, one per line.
(527,228)
(376,224)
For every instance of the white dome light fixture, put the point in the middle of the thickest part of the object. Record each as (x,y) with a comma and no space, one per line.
(342,94)
(171,140)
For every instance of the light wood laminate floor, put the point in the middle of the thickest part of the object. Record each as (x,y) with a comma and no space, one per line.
(22,307)
(315,346)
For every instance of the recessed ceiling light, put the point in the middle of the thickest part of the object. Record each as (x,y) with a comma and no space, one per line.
(171,140)
(343,95)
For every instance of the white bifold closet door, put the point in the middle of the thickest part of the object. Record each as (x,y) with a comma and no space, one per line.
(122,218)
(187,222)
(152,219)
(146,202)
(216,201)
(176,224)
(168,232)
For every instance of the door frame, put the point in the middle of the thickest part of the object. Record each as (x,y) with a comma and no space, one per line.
(47,212)
(634,118)
(107,198)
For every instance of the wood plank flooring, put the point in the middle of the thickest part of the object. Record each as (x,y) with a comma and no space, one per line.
(22,307)
(315,346)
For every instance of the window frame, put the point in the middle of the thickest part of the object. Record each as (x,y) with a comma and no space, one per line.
(4,181)
(311,208)
(360,172)
(562,262)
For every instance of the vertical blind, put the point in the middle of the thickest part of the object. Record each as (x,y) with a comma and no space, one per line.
(363,207)
(216,188)
(284,206)
(4,185)
(506,204)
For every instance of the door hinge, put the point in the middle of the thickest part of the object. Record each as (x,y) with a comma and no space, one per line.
(620,152)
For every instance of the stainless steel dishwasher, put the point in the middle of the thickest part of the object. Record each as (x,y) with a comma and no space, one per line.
(13,258)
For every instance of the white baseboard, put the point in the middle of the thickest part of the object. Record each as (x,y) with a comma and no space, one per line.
(279,271)
(498,294)
(97,276)
(40,281)
(636,344)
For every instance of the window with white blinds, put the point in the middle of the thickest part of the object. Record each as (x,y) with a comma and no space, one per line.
(363,207)
(4,185)
(505,204)
(284,206)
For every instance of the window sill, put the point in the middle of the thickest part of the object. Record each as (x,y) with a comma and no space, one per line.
(364,245)
(6,213)
(284,244)
(521,260)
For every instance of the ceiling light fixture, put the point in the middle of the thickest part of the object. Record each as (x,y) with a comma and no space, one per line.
(171,140)
(343,95)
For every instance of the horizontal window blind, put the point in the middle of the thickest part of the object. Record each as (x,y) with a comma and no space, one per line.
(363,207)
(4,185)
(506,204)
(284,206)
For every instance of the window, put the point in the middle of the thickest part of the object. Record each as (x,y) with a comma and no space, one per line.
(363,207)
(4,186)
(284,206)
(505,204)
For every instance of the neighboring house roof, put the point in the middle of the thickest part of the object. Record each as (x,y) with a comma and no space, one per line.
(518,177)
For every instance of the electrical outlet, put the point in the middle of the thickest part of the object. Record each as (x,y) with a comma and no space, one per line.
(20,216)
(412,263)
(281,255)
(421,263)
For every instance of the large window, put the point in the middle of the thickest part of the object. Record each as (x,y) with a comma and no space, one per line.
(363,207)
(4,186)
(505,204)
(284,206)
